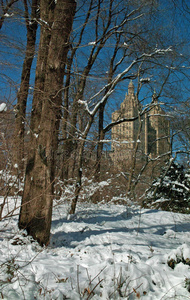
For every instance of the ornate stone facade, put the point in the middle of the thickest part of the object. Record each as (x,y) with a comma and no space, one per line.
(144,135)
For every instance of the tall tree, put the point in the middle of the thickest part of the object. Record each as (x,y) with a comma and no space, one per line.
(22,95)
(36,209)
(119,32)
(108,18)
(128,29)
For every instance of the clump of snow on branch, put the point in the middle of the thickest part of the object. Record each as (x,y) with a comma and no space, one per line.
(3,107)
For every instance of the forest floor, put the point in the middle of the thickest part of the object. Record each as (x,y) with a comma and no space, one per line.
(103,251)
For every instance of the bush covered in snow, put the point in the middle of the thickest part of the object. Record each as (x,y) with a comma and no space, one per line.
(170,191)
(179,255)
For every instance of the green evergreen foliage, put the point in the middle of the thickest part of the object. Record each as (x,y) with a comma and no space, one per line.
(172,191)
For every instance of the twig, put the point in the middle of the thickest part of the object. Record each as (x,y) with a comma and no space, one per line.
(97,275)
(78,285)
(94,288)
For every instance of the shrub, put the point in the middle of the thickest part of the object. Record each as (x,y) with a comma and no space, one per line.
(171,190)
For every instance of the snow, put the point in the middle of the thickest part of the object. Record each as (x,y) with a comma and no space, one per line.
(82,102)
(103,251)
(43,22)
(6,15)
(145,80)
(3,107)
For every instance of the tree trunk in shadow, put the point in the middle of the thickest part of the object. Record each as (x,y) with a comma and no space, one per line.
(37,201)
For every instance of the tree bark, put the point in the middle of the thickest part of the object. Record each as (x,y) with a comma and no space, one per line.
(22,95)
(100,144)
(37,201)
(134,160)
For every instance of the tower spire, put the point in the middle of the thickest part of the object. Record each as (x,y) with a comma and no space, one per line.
(131,88)
(154,96)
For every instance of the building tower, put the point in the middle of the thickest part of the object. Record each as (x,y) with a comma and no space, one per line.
(158,130)
(153,126)
(124,134)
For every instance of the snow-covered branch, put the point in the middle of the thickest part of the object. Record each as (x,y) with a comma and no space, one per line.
(111,86)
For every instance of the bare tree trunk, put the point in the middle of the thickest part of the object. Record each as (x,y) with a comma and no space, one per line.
(100,144)
(47,15)
(78,178)
(47,18)
(80,165)
(22,95)
(134,159)
(101,132)
(38,194)
(71,145)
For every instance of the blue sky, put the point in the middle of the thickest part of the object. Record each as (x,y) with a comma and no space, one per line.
(174,25)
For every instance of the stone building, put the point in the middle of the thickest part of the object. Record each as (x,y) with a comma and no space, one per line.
(144,135)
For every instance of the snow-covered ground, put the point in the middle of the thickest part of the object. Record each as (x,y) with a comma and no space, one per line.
(104,251)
